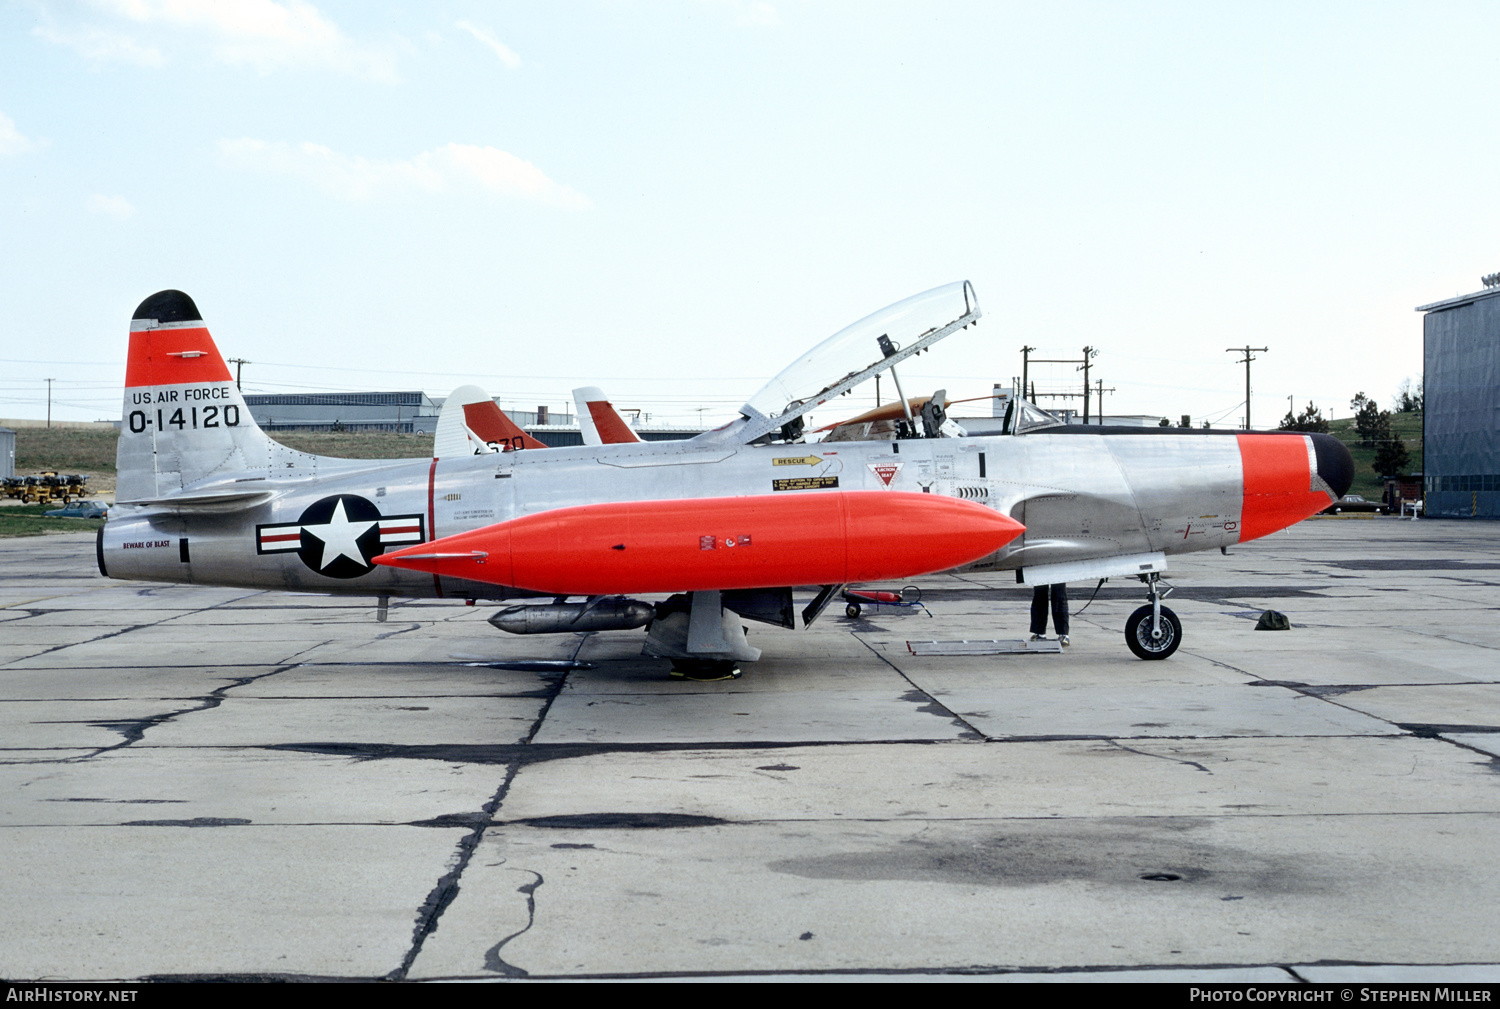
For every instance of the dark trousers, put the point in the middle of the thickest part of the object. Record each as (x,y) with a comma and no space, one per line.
(1059,594)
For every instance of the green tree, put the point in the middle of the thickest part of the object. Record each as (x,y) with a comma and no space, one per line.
(1310,420)
(1366,419)
(1391,456)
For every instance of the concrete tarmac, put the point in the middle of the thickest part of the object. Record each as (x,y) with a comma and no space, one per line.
(206,782)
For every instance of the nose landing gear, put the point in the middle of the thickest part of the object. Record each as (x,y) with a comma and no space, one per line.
(1153,631)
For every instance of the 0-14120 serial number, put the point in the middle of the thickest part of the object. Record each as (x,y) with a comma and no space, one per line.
(187,417)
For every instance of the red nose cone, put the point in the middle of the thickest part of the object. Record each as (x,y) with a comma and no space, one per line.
(719,543)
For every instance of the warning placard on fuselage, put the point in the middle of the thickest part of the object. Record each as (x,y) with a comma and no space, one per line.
(805,483)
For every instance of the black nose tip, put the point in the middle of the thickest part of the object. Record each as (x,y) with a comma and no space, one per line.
(1335,464)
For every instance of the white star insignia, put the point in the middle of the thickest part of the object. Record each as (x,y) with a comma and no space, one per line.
(340,537)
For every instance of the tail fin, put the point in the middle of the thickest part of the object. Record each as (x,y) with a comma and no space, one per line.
(599,421)
(184,421)
(471,424)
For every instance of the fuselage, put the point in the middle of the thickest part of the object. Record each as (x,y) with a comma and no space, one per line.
(1079,496)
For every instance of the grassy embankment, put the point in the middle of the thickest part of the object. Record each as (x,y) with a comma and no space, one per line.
(1406,426)
(93,453)
(27,520)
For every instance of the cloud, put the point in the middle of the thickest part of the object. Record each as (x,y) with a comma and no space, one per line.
(450,168)
(11,141)
(102,46)
(265,34)
(506,54)
(111,206)
(760,15)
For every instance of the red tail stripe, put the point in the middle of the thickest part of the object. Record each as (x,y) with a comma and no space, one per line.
(155,358)
(611,427)
(490,422)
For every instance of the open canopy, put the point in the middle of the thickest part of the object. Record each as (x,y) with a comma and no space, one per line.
(855,355)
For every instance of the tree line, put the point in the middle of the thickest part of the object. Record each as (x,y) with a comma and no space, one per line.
(1372,424)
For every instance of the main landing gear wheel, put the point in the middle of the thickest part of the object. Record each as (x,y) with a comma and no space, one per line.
(1138,634)
(705,670)
(852,610)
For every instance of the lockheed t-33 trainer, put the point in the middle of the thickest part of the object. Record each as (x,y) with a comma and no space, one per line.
(724,524)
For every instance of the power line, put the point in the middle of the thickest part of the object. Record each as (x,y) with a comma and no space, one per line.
(1249,356)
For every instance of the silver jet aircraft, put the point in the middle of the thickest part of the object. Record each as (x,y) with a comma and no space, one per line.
(725,523)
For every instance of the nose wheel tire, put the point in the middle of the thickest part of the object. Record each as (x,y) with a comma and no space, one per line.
(1138,634)
(852,611)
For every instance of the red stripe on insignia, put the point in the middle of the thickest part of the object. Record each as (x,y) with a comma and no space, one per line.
(437,583)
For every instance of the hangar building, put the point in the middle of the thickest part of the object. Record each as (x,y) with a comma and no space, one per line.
(1461,401)
(412,413)
(344,411)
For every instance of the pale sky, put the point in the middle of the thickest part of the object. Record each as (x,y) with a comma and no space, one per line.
(672,200)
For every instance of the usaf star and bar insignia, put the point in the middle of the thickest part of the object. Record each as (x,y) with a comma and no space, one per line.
(340,536)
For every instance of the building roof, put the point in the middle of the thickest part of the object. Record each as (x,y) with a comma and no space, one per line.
(1462,299)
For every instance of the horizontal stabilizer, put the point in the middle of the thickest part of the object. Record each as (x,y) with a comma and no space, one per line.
(228,502)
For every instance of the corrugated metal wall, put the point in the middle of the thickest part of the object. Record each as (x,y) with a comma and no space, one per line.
(1461,437)
(7,453)
(357,411)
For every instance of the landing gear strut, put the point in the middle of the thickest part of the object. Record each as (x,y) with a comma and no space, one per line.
(1153,631)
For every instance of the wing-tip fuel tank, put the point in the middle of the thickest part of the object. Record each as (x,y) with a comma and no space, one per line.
(1287,479)
(719,543)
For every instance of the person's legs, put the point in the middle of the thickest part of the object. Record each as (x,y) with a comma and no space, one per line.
(1039,610)
(1059,609)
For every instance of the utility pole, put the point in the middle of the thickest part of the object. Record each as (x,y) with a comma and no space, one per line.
(1025,364)
(238,362)
(49,402)
(1102,391)
(1249,353)
(1088,353)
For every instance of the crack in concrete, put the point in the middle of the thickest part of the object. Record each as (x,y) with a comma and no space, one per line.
(1160,756)
(403,630)
(524,754)
(933,705)
(134,627)
(963,970)
(445,891)
(134,730)
(492,961)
